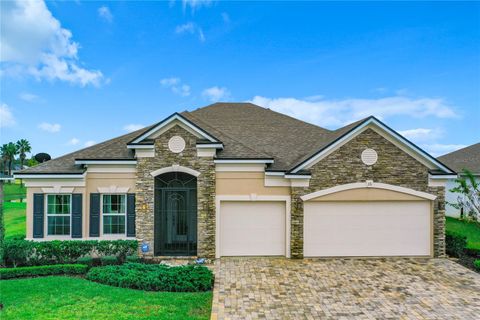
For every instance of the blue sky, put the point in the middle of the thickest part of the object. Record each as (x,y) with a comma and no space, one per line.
(76,73)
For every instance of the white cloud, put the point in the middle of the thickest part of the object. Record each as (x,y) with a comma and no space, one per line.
(105,13)
(438,149)
(175,84)
(334,113)
(190,28)
(133,127)
(225,17)
(73,142)
(185,28)
(421,134)
(168,82)
(196,4)
(34,43)
(29,97)
(6,116)
(50,127)
(215,94)
(89,143)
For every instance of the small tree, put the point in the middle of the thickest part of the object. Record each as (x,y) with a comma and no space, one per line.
(468,195)
(23,147)
(11,151)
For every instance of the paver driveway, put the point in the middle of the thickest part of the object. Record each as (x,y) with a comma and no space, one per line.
(275,288)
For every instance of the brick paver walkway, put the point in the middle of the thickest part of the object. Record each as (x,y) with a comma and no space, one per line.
(276,288)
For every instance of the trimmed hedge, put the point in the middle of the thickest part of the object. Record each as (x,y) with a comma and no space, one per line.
(34,253)
(109,260)
(154,277)
(72,269)
(455,244)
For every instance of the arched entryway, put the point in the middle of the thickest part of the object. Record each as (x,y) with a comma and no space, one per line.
(175,214)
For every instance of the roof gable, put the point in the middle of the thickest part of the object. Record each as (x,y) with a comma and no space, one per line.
(387,132)
(164,125)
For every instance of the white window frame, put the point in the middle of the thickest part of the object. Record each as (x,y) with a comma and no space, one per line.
(47,215)
(112,235)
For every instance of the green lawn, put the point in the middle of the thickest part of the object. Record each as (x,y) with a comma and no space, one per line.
(13,191)
(469,229)
(14,217)
(76,298)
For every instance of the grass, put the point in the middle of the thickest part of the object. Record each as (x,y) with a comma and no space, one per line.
(15,219)
(75,298)
(469,229)
(14,191)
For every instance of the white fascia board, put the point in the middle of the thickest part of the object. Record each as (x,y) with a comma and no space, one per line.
(297,176)
(210,145)
(274,173)
(105,162)
(360,129)
(140,146)
(443,177)
(243,161)
(169,120)
(50,176)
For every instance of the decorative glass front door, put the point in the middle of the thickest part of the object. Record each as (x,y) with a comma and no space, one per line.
(175,214)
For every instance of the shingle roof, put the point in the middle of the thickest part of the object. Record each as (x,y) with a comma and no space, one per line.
(246,131)
(466,158)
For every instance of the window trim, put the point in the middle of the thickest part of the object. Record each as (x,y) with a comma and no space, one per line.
(112,235)
(59,236)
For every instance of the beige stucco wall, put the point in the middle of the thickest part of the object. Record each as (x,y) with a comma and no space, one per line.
(104,180)
(93,182)
(30,192)
(246,183)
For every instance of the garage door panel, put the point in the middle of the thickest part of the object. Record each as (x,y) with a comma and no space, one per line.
(367,228)
(252,228)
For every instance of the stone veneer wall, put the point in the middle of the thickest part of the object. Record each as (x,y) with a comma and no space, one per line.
(205,189)
(344,165)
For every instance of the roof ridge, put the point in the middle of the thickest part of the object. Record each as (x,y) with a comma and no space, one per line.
(229,136)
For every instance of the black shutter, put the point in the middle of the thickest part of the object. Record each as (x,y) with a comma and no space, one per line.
(77,215)
(38,215)
(131,215)
(94,214)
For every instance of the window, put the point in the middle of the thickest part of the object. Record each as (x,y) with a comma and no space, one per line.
(114,209)
(59,208)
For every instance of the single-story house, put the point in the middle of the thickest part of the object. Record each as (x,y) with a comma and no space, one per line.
(466,158)
(236,179)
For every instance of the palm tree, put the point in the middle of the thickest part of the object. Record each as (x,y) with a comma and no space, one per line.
(23,147)
(4,156)
(12,151)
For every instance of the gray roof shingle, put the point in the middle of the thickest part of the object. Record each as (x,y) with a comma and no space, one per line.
(466,158)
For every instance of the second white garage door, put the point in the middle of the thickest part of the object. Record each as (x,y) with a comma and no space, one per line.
(252,228)
(376,228)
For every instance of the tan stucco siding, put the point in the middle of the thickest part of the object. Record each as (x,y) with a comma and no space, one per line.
(29,212)
(104,180)
(368,194)
(246,183)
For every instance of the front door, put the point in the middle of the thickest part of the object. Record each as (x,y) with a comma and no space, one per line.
(175,215)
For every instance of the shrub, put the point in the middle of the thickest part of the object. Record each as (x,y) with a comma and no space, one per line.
(31,253)
(87,260)
(109,260)
(154,277)
(476,264)
(472,252)
(73,269)
(134,259)
(455,244)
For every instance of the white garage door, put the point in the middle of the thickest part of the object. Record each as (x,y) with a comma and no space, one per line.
(252,228)
(400,228)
